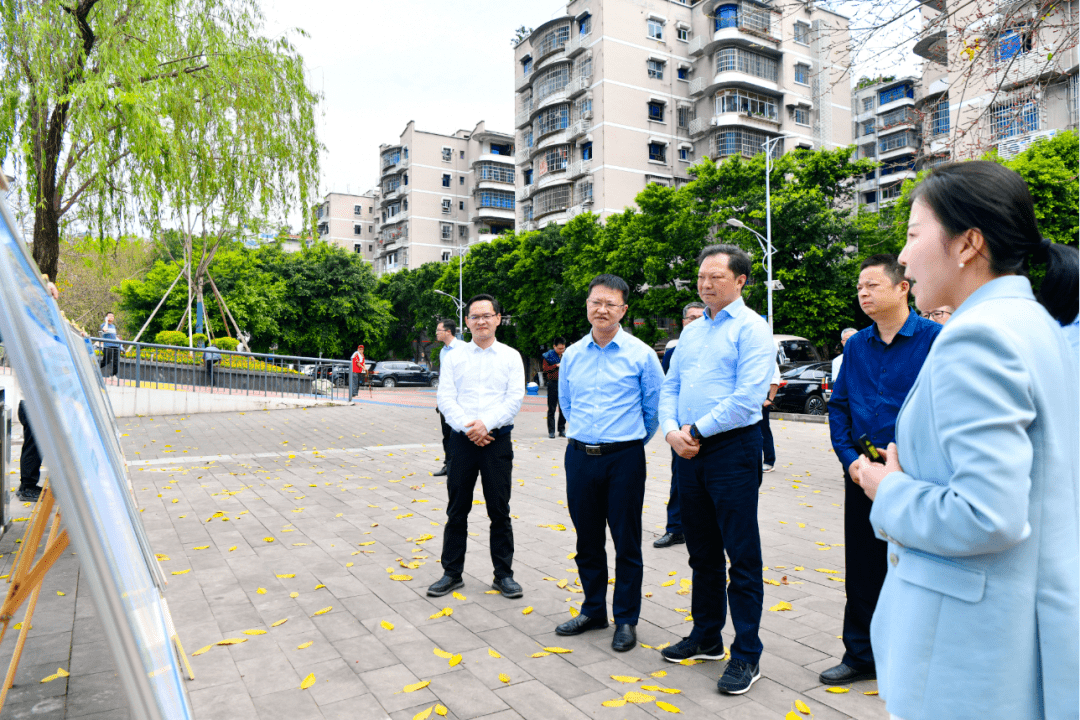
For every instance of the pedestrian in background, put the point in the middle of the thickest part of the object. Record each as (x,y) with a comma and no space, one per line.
(837,361)
(939,315)
(356,377)
(979,499)
(110,350)
(29,460)
(882,363)
(673,532)
(481,388)
(609,387)
(446,333)
(551,361)
(710,407)
(211,358)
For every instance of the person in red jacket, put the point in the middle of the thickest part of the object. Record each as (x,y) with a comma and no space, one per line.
(357,375)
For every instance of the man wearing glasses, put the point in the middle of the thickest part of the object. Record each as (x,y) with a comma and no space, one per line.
(710,407)
(939,315)
(609,387)
(481,386)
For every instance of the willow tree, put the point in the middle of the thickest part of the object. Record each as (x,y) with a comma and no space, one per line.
(100,102)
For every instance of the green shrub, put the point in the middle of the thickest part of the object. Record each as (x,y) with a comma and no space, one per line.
(198,340)
(227,343)
(171,337)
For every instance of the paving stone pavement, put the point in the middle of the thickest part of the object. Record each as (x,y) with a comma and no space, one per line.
(306,516)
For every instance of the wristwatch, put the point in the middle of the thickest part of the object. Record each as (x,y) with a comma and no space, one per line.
(695,433)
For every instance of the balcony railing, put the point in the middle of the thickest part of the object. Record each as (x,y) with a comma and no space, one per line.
(522,155)
(699,125)
(578,168)
(579,128)
(697,85)
(579,84)
(698,43)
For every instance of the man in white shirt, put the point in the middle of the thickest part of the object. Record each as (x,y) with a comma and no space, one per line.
(481,387)
(839,359)
(446,333)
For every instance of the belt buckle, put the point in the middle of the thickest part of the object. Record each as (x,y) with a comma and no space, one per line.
(593,450)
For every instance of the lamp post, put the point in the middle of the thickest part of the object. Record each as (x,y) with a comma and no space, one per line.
(767,251)
(768,147)
(459,301)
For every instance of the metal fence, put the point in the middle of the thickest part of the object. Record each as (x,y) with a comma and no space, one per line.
(168,367)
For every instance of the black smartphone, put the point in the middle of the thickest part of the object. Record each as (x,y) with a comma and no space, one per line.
(867,448)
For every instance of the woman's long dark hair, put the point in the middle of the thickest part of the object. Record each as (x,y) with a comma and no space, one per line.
(995,200)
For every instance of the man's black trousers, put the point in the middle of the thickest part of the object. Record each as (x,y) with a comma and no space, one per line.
(493,464)
(30,459)
(865,557)
(553,406)
(447,431)
(110,358)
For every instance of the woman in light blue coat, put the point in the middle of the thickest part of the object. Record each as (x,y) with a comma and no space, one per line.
(979,499)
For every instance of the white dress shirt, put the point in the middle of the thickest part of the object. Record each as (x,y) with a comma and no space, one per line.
(477,384)
(836,363)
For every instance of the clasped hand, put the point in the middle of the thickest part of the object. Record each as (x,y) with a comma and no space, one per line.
(478,433)
(868,475)
(682,443)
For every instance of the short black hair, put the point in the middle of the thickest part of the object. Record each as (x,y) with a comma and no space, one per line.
(449,326)
(480,298)
(888,263)
(558,341)
(612,282)
(738,259)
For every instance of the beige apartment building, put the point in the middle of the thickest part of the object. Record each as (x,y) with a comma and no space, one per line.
(441,193)
(997,74)
(350,222)
(616,94)
(888,128)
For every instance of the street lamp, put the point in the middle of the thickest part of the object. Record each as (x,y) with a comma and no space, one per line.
(457,302)
(768,147)
(767,250)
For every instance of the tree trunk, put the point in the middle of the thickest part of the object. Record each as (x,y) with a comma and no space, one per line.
(47,236)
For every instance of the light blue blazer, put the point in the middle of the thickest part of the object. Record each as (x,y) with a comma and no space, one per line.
(978,615)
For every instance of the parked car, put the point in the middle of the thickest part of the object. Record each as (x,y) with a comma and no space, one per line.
(802,389)
(391,373)
(793,351)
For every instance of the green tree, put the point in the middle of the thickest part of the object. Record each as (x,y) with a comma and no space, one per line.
(416,309)
(101,98)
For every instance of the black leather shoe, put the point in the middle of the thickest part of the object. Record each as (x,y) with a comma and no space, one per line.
(444,585)
(551,435)
(625,638)
(843,675)
(582,623)
(29,494)
(507,586)
(670,539)
(562,433)
(440,472)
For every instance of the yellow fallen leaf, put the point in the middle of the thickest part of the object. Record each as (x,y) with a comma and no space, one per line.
(669,691)
(837,690)
(527,610)
(348,564)
(540,654)
(401,577)
(294,594)
(503,677)
(493,653)
(201,650)
(443,654)
(799,567)
(458,596)
(162,557)
(802,707)
(558,650)
(416,686)
(792,715)
(825,570)
(181,572)
(231,641)
(617,702)
(574,612)
(286,575)
(386,625)
(667,583)
(369,542)
(637,697)
(435,615)
(448,611)
(325,610)
(667,707)
(254,632)
(658,674)
(441,710)
(871,692)
(260,591)
(782,605)
(493,592)
(307,644)
(455,660)
(625,678)
(772,582)
(423,714)
(308,681)
(202,547)
(268,539)
(320,585)
(61,593)
(232,548)
(60,673)
(279,622)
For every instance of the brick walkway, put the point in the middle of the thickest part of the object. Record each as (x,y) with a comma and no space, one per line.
(347,497)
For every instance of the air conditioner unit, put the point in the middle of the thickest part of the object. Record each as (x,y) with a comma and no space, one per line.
(587,115)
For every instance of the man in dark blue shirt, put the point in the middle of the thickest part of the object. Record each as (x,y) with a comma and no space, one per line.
(880,365)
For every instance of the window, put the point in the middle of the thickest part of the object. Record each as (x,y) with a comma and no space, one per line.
(584,106)
(372,208)
(392,157)
(461,205)
(405,178)
(391,185)
(551,81)
(502,199)
(446,256)
(553,118)
(895,93)
(527,212)
(526,176)
(802,116)
(656,111)
(584,192)
(802,33)
(868,127)
(902,164)
(405,153)
(685,114)
(939,117)
(892,142)
(586,151)
(501,149)
(656,69)
(445,180)
(1011,43)
(447,231)
(549,200)
(552,40)
(446,204)
(463,231)
(357,229)
(447,154)
(1013,117)
(657,152)
(553,159)
(802,74)
(526,66)
(461,180)
(683,73)
(357,210)
(682,34)
(746,143)
(744,61)
(370,248)
(891,192)
(897,117)
(685,154)
(358,248)
(727,16)
(746,103)
(656,29)
(527,135)
(870,197)
(584,25)
(584,67)
(868,104)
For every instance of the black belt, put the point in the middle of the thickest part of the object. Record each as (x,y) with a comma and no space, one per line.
(604,448)
(721,437)
(497,432)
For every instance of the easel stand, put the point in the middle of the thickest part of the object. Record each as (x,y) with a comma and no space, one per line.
(27,576)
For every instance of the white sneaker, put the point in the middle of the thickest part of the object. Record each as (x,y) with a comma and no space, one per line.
(766,468)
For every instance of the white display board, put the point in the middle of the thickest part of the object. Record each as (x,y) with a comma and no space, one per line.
(77,433)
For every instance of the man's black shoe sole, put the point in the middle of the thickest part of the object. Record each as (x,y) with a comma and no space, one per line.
(699,656)
(450,589)
(513,595)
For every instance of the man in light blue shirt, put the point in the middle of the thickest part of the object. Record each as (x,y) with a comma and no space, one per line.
(710,407)
(609,388)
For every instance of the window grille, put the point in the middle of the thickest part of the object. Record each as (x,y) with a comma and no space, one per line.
(904,164)
(802,74)
(584,106)
(357,210)
(658,152)
(802,33)
(802,116)
(391,158)
(357,229)
(528,136)
(551,81)
(685,115)
(553,159)
(1011,43)
(744,61)
(936,160)
(446,181)
(584,67)
(727,16)
(895,93)
(1073,96)
(447,154)
(550,200)
(584,192)
(1014,117)
(495,172)
(891,192)
(526,103)
(656,69)
(447,231)
(446,205)
(496,199)
(391,184)
(747,103)
(463,231)
(868,104)
(747,143)
(553,40)
(899,140)
(553,118)
(899,117)
(527,212)
(868,127)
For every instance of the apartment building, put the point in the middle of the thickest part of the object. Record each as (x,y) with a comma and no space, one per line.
(441,193)
(888,128)
(350,222)
(616,94)
(997,74)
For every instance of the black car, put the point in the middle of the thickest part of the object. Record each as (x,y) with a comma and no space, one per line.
(391,373)
(802,389)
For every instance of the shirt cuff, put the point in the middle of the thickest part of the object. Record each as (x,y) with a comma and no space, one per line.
(668,426)
(707,427)
(847,456)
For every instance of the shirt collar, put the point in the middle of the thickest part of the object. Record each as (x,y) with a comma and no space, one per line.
(731,309)
(907,329)
(1015,286)
(477,349)
(616,341)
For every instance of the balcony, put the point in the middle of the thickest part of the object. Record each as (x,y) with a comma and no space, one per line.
(525,193)
(578,129)
(522,118)
(392,195)
(1023,68)
(698,126)
(487,214)
(577,43)
(522,82)
(522,155)
(697,44)
(578,168)
(579,85)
